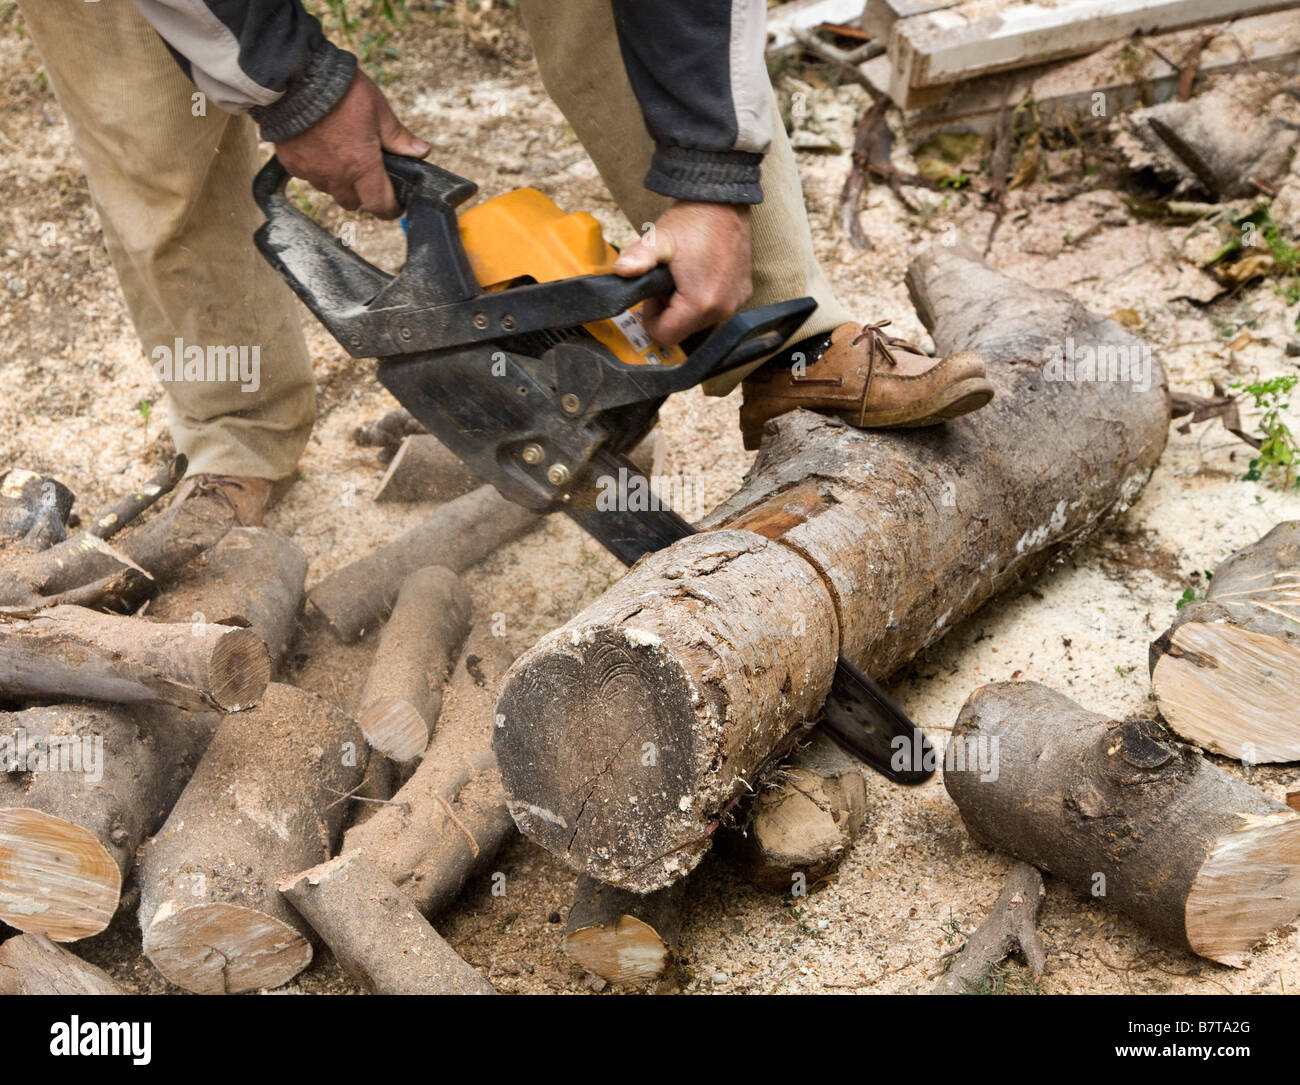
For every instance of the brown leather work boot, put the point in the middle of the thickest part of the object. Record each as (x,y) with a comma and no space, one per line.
(870,380)
(249,497)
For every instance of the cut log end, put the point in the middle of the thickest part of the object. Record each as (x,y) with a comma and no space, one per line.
(1220,686)
(216,948)
(619,700)
(240,669)
(629,952)
(1248,887)
(395,727)
(56,878)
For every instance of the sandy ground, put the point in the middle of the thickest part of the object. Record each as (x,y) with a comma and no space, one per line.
(74,378)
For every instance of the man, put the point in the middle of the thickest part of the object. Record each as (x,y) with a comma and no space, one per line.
(671,100)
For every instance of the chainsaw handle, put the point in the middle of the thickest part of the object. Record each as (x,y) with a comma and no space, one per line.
(346,292)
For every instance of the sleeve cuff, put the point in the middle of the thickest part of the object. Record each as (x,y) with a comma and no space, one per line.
(310,96)
(707,176)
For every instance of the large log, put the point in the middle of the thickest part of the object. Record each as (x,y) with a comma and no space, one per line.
(625,735)
(448,821)
(69,651)
(376,934)
(1123,811)
(1226,675)
(33,965)
(81,786)
(403,691)
(253,577)
(263,802)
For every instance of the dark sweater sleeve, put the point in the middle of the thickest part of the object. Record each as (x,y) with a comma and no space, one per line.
(698,70)
(268,58)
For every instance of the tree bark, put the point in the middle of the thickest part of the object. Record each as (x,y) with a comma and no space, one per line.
(376,934)
(33,965)
(448,821)
(1226,675)
(253,577)
(81,786)
(264,800)
(1122,810)
(625,735)
(623,937)
(804,820)
(73,652)
(360,596)
(403,692)
(424,469)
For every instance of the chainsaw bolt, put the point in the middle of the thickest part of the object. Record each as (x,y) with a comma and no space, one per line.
(508,322)
(533,453)
(404,333)
(557,474)
(481,320)
(570,402)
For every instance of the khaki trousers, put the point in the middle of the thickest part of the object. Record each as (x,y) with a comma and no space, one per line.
(173,192)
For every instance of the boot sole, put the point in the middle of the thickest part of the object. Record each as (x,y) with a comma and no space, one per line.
(952,402)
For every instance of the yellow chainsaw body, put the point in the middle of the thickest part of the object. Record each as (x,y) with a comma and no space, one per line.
(522,236)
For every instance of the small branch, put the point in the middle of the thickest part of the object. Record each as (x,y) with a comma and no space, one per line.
(1009,928)
(839,60)
(131,506)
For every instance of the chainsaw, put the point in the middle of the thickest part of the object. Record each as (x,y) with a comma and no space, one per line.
(506,335)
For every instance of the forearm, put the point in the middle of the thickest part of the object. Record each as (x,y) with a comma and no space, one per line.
(268,58)
(697,68)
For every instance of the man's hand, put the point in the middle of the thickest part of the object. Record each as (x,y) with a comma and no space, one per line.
(341,153)
(706,246)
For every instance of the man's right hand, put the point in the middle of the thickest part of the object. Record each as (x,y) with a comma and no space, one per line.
(341,154)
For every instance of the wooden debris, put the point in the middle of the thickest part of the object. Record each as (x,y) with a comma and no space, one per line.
(1121,810)
(805,819)
(34,510)
(403,692)
(624,736)
(1011,927)
(262,801)
(388,432)
(360,596)
(785,20)
(253,577)
(1220,144)
(447,822)
(624,938)
(1226,674)
(944,47)
(72,652)
(375,933)
(81,786)
(424,469)
(33,965)
(1103,84)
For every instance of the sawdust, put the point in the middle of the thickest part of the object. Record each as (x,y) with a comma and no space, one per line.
(74,377)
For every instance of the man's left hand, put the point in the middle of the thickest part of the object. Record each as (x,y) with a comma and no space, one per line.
(706,247)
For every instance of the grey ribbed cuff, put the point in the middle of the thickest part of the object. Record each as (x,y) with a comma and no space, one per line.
(708,176)
(310,96)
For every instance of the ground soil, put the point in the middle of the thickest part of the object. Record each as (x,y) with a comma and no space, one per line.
(914,884)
